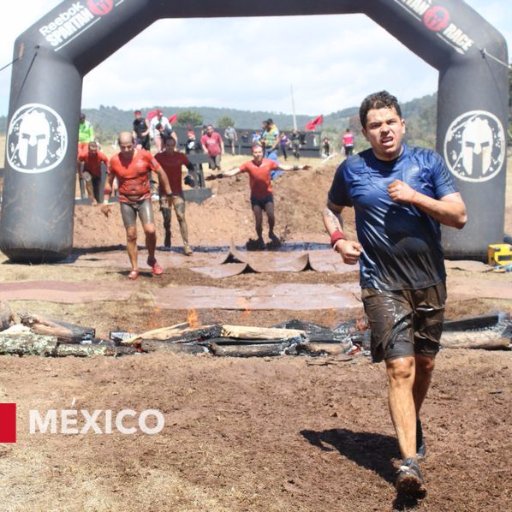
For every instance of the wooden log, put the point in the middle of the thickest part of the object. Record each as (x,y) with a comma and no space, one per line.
(251,341)
(488,340)
(175,348)
(319,349)
(266,350)
(64,331)
(25,344)
(259,333)
(474,322)
(179,332)
(75,350)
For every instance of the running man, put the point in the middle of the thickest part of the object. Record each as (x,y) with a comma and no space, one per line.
(132,168)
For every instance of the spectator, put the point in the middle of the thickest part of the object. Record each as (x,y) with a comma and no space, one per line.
(348,142)
(191,142)
(85,134)
(270,139)
(326,146)
(284,143)
(213,146)
(296,144)
(156,133)
(231,136)
(141,131)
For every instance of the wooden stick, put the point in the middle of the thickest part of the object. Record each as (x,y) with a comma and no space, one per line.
(259,333)
(489,340)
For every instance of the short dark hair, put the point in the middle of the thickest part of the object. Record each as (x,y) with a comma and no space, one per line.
(381,99)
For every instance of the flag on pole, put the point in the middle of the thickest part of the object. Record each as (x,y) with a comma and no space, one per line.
(173,119)
(311,125)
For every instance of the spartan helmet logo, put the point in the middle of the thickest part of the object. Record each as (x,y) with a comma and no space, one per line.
(36,140)
(33,138)
(477,146)
(474,146)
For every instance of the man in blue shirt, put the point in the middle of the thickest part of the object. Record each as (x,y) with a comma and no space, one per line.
(400,195)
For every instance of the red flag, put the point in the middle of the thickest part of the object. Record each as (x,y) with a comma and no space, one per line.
(153,113)
(311,125)
(173,119)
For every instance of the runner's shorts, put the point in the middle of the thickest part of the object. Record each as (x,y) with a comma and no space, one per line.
(261,202)
(405,322)
(144,209)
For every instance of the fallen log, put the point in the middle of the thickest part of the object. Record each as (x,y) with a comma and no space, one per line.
(474,322)
(176,348)
(488,340)
(64,331)
(314,332)
(266,350)
(259,333)
(27,344)
(175,333)
(90,350)
(250,341)
(322,349)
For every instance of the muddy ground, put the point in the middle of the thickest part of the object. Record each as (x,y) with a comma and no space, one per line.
(283,434)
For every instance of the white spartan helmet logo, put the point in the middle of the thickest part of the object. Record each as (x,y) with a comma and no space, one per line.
(477,147)
(34,136)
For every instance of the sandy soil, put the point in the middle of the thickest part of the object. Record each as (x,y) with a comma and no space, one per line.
(274,434)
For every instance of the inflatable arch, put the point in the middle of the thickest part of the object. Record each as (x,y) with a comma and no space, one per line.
(52,57)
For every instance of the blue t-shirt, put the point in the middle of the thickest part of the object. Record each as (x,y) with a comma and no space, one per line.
(401,244)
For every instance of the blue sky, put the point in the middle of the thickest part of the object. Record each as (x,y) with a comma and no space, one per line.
(340,60)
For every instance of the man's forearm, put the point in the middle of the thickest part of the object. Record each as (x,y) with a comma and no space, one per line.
(333,221)
(450,211)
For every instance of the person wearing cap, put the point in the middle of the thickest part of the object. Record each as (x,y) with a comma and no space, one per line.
(132,167)
(141,131)
(156,131)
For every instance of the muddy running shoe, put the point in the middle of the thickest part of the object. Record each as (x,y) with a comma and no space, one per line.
(156,269)
(421,449)
(409,480)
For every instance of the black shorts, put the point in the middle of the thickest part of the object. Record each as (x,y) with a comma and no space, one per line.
(405,322)
(262,202)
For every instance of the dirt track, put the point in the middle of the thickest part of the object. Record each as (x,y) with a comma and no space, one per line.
(263,435)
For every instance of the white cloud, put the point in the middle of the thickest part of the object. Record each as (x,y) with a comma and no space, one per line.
(249,63)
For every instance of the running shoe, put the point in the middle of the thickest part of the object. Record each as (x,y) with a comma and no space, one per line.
(156,269)
(410,480)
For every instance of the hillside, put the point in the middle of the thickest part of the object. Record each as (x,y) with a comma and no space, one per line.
(420,114)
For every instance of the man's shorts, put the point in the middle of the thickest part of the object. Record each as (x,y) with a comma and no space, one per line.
(144,209)
(261,202)
(214,162)
(405,322)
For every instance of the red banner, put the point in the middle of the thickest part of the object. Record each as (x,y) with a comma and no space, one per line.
(311,125)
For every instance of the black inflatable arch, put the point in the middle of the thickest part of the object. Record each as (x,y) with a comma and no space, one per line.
(52,57)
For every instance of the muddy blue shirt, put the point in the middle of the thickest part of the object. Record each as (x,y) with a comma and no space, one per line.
(401,244)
